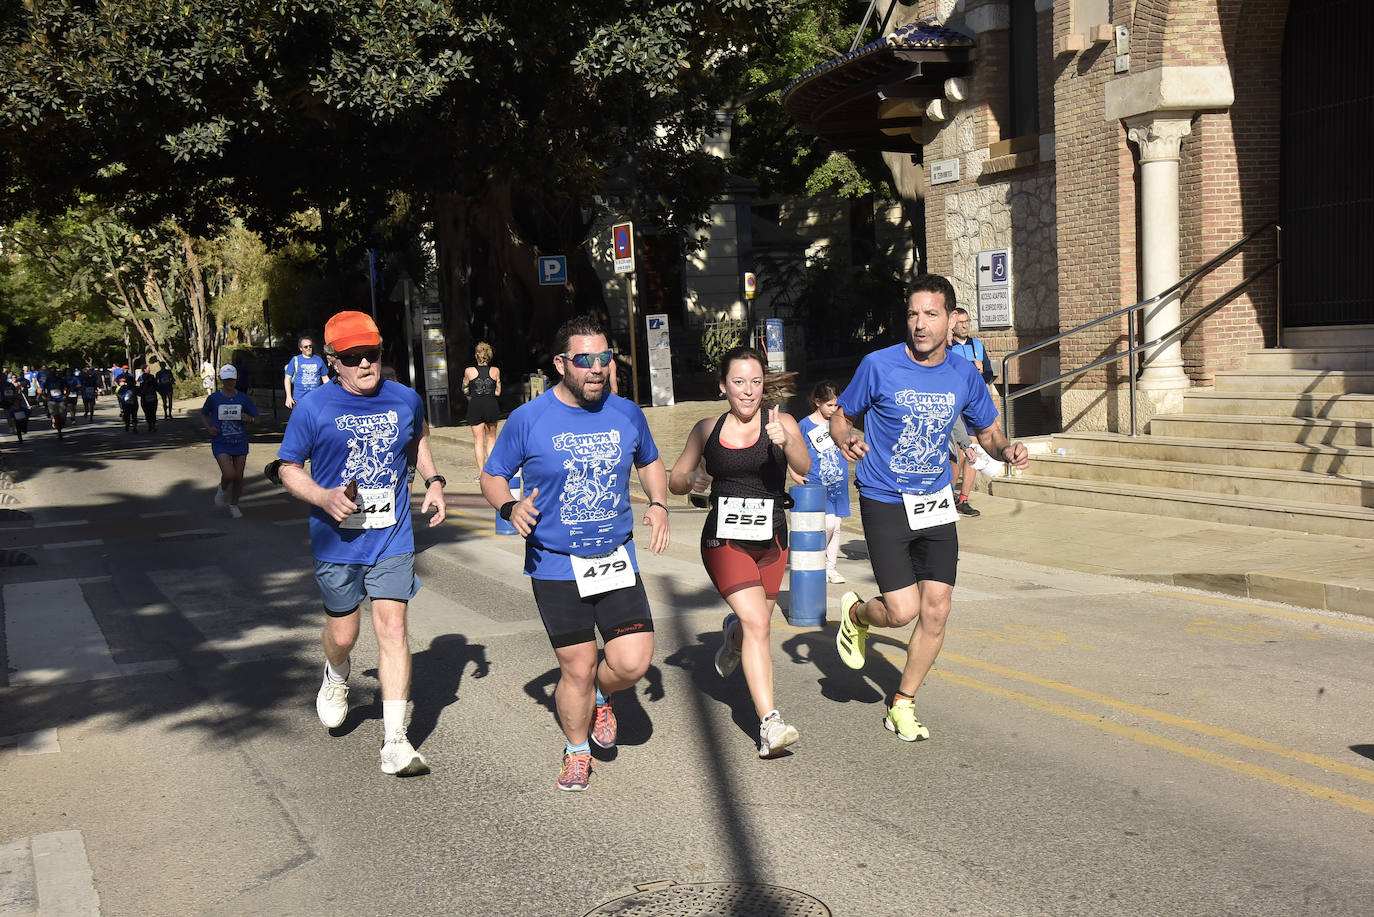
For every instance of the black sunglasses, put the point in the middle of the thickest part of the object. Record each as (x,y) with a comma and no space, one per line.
(354,359)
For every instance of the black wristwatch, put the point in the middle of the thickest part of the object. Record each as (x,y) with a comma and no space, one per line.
(656,503)
(438,477)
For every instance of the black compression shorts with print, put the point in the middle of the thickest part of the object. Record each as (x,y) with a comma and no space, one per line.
(570,619)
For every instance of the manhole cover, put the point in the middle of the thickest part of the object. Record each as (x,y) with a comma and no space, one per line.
(14,515)
(714,899)
(16,559)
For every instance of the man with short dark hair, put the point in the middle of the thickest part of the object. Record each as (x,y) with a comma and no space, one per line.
(574,446)
(912,392)
(359,437)
(305,372)
(970,348)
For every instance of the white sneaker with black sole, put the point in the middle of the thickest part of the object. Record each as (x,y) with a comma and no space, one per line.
(331,703)
(400,759)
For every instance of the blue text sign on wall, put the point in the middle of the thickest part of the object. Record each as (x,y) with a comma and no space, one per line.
(553,270)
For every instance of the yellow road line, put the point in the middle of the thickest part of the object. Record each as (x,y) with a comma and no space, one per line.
(1327,764)
(1260,609)
(486,524)
(1315,790)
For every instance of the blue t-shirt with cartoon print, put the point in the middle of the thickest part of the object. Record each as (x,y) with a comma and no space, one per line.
(911,409)
(364,438)
(232,438)
(580,459)
(307,374)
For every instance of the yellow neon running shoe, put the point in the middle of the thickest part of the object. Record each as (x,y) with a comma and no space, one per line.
(851,637)
(901,719)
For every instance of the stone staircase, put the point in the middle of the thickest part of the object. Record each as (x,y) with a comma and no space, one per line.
(1286,442)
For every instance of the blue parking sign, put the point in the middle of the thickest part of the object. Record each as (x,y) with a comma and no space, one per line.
(553,270)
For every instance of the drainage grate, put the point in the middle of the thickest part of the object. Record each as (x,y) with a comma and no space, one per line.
(713,899)
(16,559)
(14,515)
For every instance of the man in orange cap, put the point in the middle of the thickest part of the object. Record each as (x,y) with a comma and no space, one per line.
(359,436)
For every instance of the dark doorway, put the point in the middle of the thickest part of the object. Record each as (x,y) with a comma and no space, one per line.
(1328,183)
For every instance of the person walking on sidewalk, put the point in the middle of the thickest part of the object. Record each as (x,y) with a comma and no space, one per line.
(148,398)
(576,444)
(166,383)
(305,372)
(828,470)
(748,451)
(224,414)
(359,436)
(911,392)
(483,386)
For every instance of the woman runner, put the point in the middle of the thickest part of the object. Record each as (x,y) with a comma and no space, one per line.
(483,385)
(748,451)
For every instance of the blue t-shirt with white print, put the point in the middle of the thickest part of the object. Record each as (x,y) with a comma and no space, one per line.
(365,438)
(307,374)
(580,459)
(910,410)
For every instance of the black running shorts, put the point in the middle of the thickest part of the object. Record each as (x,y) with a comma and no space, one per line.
(901,557)
(569,619)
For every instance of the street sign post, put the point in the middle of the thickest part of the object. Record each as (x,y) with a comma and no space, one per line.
(553,270)
(994,288)
(623,242)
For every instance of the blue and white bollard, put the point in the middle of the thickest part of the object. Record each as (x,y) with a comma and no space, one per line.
(807,556)
(503,526)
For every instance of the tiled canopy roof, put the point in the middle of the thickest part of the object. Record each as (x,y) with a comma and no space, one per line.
(838,101)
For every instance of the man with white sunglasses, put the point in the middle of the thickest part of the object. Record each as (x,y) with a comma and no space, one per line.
(574,445)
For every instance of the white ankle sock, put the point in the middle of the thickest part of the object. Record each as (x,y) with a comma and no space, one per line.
(393,717)
(339,675)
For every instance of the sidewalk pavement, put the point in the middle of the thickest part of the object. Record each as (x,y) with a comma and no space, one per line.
(1312,571)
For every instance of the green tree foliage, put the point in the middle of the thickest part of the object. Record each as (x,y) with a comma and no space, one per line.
(766,143)
(503,120)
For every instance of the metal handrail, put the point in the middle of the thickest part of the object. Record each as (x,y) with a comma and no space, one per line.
(1130,312)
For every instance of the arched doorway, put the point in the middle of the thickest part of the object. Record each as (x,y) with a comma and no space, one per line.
(1328,181)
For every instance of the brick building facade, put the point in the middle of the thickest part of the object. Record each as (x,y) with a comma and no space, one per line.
(1113,147)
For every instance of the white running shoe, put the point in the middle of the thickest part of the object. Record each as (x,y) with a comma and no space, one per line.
(332,701)
(775,735)
(401,759)
(235,512)
(221,498)
(727,657)
(833,576)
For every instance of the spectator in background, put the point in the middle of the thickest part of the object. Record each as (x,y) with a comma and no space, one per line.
(482,385)
(305,372)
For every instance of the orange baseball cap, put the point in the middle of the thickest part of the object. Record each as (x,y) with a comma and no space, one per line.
(347,330)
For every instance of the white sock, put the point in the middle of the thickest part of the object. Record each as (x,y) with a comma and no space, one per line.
(393,717)
(340,675)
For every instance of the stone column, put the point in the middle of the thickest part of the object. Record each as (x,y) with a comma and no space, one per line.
(1159,136)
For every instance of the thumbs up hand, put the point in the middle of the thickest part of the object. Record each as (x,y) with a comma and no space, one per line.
(777,433)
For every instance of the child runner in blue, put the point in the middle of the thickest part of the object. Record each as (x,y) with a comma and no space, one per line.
(223,416)
(828,469)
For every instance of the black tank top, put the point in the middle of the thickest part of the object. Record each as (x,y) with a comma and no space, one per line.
(759,471)
(483,383)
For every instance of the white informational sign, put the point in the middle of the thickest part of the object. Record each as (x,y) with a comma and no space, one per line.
(623,247)
(946,170)
(660,359)
(434,350)
(994,288)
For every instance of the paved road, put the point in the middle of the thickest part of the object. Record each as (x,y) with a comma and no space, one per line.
(1100,746)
